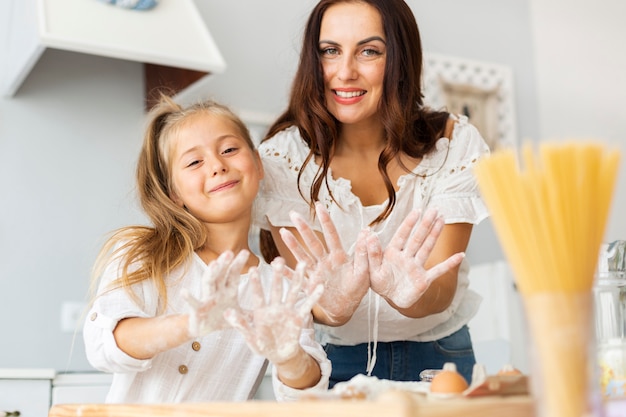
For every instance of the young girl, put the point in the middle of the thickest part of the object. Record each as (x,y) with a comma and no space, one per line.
(169,293)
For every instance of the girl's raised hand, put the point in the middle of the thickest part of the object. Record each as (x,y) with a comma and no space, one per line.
(345,278)
(220,285)
(272,329)
(398,273)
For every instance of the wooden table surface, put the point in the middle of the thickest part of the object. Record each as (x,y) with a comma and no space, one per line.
(391,404)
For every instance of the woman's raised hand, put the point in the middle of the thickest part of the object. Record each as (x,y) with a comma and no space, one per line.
(398,272)
(272,329)
(345,278)
(220,284)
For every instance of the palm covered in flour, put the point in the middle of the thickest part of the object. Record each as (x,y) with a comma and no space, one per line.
(345,278)
(398,273)
(219,292)
(273,327)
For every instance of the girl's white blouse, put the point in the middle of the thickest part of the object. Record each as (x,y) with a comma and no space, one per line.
(443,179)
(215,367)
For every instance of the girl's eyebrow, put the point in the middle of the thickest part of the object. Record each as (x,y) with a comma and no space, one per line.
(362,42)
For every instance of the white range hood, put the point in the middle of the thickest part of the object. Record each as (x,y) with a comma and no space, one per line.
(171,34)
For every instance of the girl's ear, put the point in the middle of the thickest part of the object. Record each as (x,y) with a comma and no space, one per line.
(176,199)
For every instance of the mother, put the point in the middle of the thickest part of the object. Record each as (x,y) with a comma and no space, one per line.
(357,138)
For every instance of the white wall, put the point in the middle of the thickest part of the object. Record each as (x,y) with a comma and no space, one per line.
(581,84)
(69,139)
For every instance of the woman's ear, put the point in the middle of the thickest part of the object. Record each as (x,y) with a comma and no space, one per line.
(259,164)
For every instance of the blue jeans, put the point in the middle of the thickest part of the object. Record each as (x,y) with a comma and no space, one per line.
(403,360)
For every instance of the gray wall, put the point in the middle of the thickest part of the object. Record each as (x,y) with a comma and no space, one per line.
(69,139)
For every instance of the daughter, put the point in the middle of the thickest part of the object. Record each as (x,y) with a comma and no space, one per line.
(170,293)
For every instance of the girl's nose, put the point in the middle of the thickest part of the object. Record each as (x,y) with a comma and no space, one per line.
(219,170)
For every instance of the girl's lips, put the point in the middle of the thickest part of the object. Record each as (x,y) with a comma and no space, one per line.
(225,186)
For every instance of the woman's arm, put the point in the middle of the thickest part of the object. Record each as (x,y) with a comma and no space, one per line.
(453,239)
(447,254)
(417,272)
(345,277)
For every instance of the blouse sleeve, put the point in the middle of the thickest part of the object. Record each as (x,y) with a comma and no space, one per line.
(106,311)
(313,348)
(282,156)
(455,191)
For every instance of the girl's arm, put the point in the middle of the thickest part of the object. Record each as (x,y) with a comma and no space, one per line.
(275,326)
(143,338)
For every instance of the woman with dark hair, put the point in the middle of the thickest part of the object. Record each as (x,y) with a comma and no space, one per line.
(351,166)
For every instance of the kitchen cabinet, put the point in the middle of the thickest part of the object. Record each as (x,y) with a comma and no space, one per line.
(26,391)
(80,388)
(31,392)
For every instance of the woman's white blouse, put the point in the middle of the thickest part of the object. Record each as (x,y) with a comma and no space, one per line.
(216,367)
(443,179)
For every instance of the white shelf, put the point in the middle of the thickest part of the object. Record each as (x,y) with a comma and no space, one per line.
(172,34)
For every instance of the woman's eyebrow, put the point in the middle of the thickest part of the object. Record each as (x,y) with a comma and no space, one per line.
(362,42)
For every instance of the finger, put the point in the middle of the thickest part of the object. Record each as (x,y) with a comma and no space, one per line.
(423,229)
(276,293)
(328,228)
(258,296)
(443,267)
(374,252)
(238,322)
(295,284)
(236,266)
(295,247)
(310,239)
(305,309)
(403,233)
(190,299)
(208,283)
(427,245)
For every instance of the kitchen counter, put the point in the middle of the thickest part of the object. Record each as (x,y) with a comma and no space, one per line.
(390,404)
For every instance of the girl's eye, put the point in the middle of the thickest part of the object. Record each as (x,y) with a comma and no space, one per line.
(229,150)
(193,163)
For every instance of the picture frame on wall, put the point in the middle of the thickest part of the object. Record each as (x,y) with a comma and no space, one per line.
(482,91)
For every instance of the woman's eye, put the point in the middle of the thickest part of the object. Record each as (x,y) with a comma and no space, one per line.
(371,52)
(330,51)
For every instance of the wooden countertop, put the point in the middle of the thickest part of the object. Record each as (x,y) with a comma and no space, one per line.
(391,404)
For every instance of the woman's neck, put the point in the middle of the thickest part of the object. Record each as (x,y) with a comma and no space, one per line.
(361,138)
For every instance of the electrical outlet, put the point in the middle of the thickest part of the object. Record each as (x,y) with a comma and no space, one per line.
(72,315)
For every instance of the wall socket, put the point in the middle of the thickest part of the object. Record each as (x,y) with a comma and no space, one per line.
(72,316)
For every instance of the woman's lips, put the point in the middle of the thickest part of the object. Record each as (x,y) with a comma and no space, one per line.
(350,96)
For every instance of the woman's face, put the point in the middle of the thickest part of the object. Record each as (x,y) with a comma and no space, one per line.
(215,173)
(352,47)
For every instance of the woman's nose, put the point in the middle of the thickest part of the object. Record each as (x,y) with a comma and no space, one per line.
(347,69)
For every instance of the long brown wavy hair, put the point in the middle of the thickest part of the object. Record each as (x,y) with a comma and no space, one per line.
(152,252)
(409,126)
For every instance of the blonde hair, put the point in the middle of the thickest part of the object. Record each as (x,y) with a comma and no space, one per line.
(152,252)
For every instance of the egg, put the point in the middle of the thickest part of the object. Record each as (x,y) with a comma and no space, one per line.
(448,381)
(509,370)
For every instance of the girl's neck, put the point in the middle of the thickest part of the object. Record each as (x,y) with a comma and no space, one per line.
(226,237)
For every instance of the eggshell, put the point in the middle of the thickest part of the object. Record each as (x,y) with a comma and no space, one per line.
(448,381)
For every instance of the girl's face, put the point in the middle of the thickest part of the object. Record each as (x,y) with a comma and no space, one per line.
(215,174)
(353,52)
